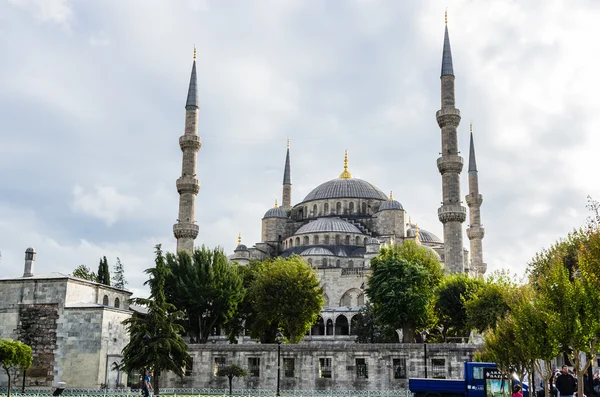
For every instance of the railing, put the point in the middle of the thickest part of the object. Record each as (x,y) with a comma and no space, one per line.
(178,392)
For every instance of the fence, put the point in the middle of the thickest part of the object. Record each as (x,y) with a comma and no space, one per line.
(72,392)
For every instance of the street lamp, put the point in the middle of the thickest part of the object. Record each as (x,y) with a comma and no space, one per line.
(278,339)
(424,334)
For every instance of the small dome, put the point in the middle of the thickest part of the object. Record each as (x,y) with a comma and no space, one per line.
(276,212)
(241,247)
(316,251)
(328,225)
(373,240)
(345,188)
(390,205)
(424,235)
(30,249)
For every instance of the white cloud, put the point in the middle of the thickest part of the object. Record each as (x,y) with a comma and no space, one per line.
(99,39)
(54,11)
(104,203)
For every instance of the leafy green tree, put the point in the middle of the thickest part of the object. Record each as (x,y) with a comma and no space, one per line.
(451,296)
(103,272)
(401,287)
(85,273)
(118,278)
(368,330)
(231,371)
(14,353)
(490,302)
(206,287)
(245,313)
(155,339)
(286,294)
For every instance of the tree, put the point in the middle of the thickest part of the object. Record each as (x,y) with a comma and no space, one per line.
(103,272)
(118,278)
(206,287)
(490,302)
(155,339)
(231,371)
(245,313)
(85,273)
(401,287)
(452,295)
(368,330)
(286,294)
(14,353)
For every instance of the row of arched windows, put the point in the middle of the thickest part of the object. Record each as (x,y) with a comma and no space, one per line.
(339,209)
(341,326)
(106,303)
(331,262)
(325,240)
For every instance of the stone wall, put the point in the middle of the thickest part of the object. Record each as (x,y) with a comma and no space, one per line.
(324,365)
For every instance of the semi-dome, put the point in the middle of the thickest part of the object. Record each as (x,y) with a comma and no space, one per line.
(373,240)
(276,212)
(390,205)
(316,251)
(241,247)
(328,225)
(424,235)
(345,188)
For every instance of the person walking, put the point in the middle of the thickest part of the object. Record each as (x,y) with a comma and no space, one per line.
(566,383)
(147,386)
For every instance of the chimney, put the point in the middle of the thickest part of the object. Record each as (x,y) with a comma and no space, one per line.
(29,261)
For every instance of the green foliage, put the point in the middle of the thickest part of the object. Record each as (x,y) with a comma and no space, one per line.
(206,287)
(85,273)
(155,339)
(452,295)
(490,302)
(118,278)
(103,272)
(14,353)
(368,330)
(232,370)
(285,294)
(401,287)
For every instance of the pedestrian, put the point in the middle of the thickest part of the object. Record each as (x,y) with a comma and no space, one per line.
(517,391)
(147,386)
(566,383)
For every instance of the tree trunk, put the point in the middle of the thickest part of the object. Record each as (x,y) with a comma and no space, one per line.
(8,373)
(155,388)
(230,383)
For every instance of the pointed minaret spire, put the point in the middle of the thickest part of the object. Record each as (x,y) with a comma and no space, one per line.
(188,186)
(452,214)
(345,174)
(474,200)
(287,181)
(447,68)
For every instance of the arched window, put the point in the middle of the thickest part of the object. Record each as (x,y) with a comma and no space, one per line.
(326,240)
(315,211)
(306,242)
(310,261)
(364,208)
(117,303)
(291,242)
(350,263)
(346,300)
(347,240)
(360,301)
(365,241)
(306,211)
(357,241)
(105,300)
(329,327)
(341,325)
(316,240)
(324,262)
(297,242)
(337,263)
(319,327)
(353,323)
(351,207)
(338,208)
(326,209)
(337,239)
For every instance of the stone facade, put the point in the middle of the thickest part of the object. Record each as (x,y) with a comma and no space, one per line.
(73,326)
(335,366)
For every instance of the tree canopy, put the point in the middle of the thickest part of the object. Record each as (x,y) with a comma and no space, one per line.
(14,353)
(118,278)
(368,330)
(85,273)
(401,287)
(103,272)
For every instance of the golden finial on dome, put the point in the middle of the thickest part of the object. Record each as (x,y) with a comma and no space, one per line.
(409,221)
(194,52)
(239,238)
(446,17)
(288,143)
(391,197)
(471,127)
(417,241)
(276,203)
(345,174)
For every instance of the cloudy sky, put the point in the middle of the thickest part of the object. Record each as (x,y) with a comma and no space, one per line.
(92,101)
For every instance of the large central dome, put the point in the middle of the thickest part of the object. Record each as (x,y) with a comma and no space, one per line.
(345,188)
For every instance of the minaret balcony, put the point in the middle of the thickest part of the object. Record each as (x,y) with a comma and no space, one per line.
(190,141)
(452,213)
(475,233)
(474,200)
(450,163)
(186,230)
(448,117)
(188,184)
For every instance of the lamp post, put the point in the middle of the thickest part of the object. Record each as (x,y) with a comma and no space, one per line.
(424,334)
(278,339)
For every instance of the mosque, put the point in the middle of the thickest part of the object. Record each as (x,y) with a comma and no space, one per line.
(342,223)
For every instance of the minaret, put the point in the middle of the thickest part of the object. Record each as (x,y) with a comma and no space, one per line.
(452,214)
(188,186)
(287,181)
(475,232)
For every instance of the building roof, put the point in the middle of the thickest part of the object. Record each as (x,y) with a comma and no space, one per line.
(316,251)
(351,251)
(192,97)
(241,247)
(424,235)
(390,205)
(472,161)
(447,68)
(287,174)
(276,212)
(345,188)
(328,225)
